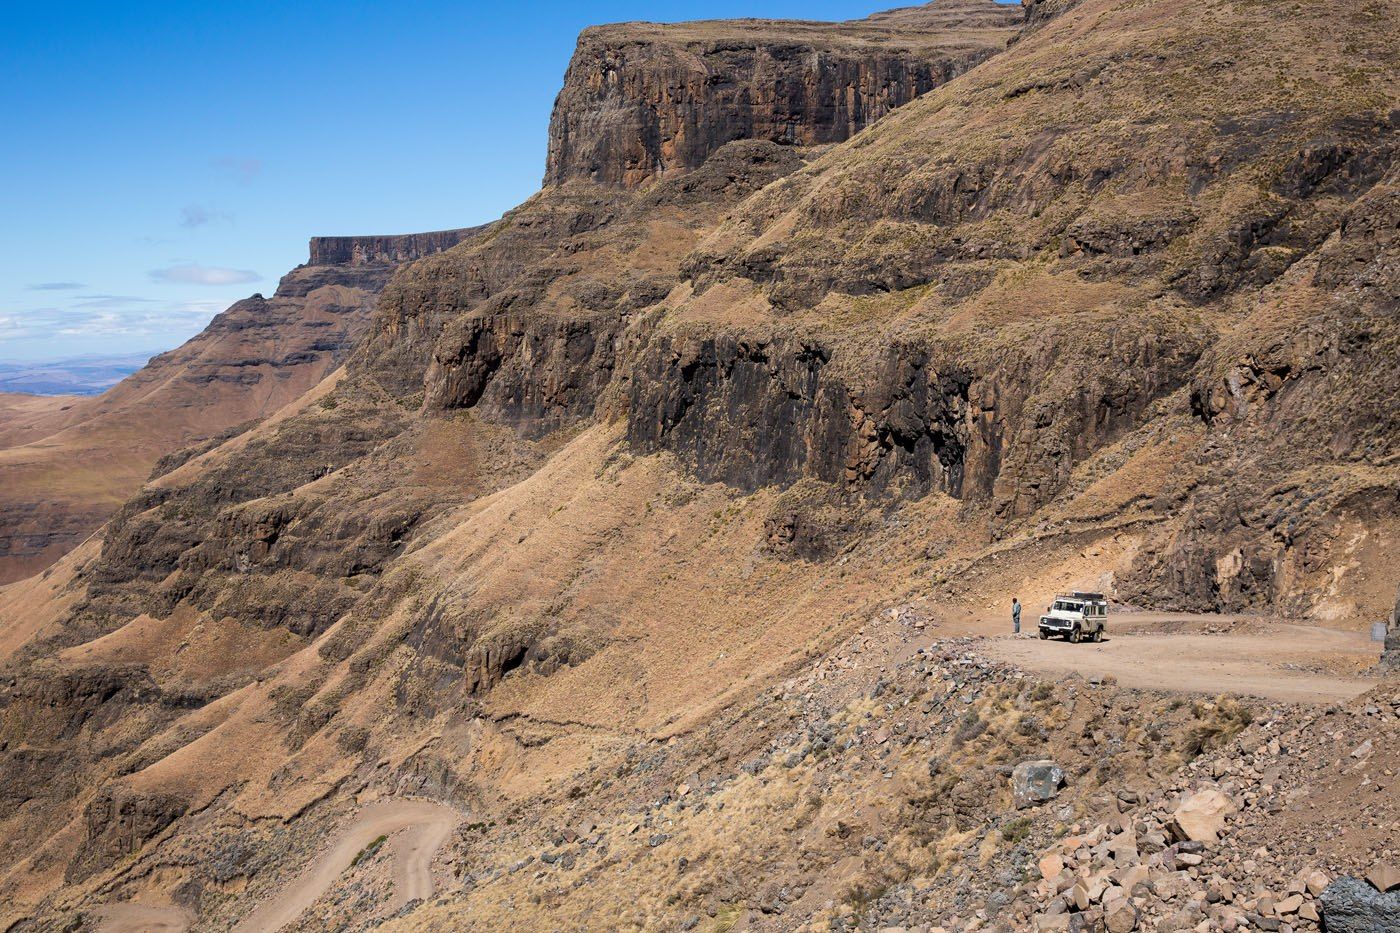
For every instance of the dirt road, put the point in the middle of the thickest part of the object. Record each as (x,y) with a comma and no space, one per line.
(425,826)
(139,918)
(1204,654)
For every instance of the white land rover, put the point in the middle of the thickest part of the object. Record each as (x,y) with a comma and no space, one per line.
(1076,616)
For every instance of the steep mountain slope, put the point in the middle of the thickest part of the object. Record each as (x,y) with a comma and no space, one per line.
(624,522)
(67,464)
(1009,277)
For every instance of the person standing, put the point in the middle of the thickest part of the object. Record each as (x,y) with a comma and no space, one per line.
(1015,616)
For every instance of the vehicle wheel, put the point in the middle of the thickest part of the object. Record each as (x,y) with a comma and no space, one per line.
(1098,636)
(1044,635)
(1074,635)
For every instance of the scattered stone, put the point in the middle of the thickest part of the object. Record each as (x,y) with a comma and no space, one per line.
(1383,877)
(1120,917)
(1129,878)
(1317,882)
(1201,816)
(1035,782)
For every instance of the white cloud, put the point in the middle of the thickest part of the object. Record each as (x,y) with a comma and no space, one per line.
(55,286)
(16,325)
(108,316)
(194,274)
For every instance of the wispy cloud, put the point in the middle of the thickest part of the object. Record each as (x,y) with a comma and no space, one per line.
(142,323)
(194,274)
(197,215)
(110,301)
(140,318)
(55,286)
(240,169)
(21,325)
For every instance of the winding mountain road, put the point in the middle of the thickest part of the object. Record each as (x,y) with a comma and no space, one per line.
(425,826)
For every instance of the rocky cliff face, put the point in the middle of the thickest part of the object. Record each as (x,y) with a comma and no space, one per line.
(383,250)
(1039,12)
(913,420)
(641,100)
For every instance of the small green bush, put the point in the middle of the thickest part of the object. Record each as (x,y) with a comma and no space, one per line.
(368,851)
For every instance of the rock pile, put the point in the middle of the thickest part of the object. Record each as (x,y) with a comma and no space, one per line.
(1226,848)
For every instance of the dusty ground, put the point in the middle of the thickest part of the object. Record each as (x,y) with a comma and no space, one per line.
(811,807)
(1281,661)
(142,918)
(1163,653)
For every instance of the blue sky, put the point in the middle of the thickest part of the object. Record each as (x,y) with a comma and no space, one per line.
(165,159)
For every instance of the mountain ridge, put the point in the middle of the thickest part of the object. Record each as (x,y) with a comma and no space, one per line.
(659,529)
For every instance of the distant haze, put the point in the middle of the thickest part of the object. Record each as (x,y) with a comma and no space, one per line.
(84,375)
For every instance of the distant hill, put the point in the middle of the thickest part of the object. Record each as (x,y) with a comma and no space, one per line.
(79,375)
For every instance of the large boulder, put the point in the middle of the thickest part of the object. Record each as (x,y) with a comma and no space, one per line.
(1201,816)
(1350,905)
(1120,916)
(1384,877)
(1035,782)
(1390,654)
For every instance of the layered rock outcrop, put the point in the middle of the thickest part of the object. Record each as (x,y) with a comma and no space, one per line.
(1039,12)
(1006,427)
(642,100)
(385,250)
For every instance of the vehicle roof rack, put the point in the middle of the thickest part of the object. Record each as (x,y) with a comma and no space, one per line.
(1080,595)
